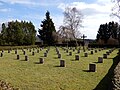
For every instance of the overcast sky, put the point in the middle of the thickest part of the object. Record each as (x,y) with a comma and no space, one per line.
(95,12)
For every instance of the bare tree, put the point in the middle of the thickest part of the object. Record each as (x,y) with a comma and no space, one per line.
(116,8)
(72,23)
(116,12)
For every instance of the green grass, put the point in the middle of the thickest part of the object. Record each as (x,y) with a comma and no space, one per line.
(28,75)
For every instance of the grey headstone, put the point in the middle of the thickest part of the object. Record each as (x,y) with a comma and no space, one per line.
(95,51)
(8,51)
(100,60)
(33,53)
(91,52)
(59,55)
(105,56)
(15,51)
(26,58)
(62,63)
(45,54)
(1,54)
(86,54)
(24,52)
(77,57)
(41,60)
(92,67)
(18,56)
(37,51)
(29,50)
(78,51)
(70,53)
(107,53)
(67,51)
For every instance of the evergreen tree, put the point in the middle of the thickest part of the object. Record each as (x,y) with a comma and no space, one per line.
(108,30)
(3,34)
(47,30)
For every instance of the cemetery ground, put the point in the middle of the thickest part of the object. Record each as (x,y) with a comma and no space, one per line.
(31,75)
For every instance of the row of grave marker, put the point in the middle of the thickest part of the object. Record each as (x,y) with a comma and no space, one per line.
(92,67)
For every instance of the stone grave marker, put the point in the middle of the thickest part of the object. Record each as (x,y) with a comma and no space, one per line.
(37,51)
(95,51)
(70,53)
(40,49)
(91,52)
(41,60)
(62,63)
(67,51)
(15,51)
(9,51)
(110,51)
(29,50)
(2,51)
(88,49)
(1,54)
(24,52)
(105,56)
(77,57)
(84,50)
(92,67)
(45,54)
(33,53)
(100,60)
(26,58)
(107,53)
(59,55)
(18,57)
(86,54)
(78,51)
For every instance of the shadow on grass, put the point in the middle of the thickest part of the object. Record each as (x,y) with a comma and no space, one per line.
(37,63)
(59,66)
(85,70)
(55,58)
(74,60)
(106,82)
(22,60)
(97,62)
(110,58)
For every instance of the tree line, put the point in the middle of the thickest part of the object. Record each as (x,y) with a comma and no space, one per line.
(107,31)
(24,33)
(17,33)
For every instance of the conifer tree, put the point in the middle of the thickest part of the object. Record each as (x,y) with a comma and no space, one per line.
(47,30)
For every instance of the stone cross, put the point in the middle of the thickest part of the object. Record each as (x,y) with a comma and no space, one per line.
(83,41)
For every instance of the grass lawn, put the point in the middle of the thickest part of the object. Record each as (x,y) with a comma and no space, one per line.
(29,75)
